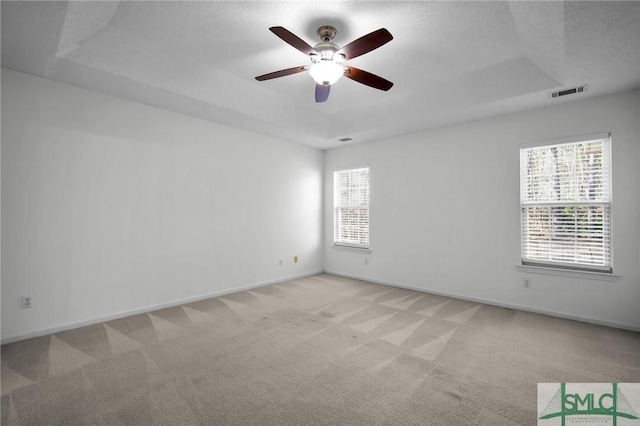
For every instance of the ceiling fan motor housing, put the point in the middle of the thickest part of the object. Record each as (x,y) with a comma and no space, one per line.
(326,52)
(326,48)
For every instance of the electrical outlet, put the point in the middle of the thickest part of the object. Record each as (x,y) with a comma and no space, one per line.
(526,283)
(26,302)
(280,262)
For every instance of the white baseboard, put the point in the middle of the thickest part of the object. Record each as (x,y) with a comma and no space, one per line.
(145,309)
(498,303)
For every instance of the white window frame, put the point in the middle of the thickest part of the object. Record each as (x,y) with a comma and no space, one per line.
(605,201)
(337,207)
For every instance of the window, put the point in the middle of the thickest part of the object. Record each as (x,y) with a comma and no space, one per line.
(565,193)
(351,207)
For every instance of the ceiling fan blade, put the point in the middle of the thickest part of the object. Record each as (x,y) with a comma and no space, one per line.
(322,92)
(367,78)
(293,40)
(281,73)
(366,43)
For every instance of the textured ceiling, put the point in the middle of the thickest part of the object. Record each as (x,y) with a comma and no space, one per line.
(450,61)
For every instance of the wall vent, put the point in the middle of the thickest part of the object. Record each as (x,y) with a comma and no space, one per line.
(344,139)
(571,91)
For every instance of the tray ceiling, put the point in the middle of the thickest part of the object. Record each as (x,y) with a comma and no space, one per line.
(450,61)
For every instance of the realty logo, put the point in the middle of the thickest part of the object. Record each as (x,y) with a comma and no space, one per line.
(588,403)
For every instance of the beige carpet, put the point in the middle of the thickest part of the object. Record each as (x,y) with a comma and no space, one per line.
(321,350)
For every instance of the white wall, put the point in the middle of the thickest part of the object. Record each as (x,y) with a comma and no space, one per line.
(110,207)
(427,188)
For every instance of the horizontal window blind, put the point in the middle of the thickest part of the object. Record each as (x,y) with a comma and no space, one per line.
(351,207)
(565,193)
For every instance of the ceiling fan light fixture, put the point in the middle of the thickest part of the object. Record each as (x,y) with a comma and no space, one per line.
(326,59)
(326,72)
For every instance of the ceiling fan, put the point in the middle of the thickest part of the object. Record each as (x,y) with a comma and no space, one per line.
(327,59)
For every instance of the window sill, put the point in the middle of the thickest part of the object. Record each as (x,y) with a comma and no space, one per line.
(559,272)
(352,249)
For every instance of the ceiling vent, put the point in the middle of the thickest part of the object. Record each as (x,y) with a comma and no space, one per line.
(571,91)
(344,139)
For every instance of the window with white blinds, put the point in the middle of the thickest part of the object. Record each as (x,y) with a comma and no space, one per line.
(351,207)
(565,193)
